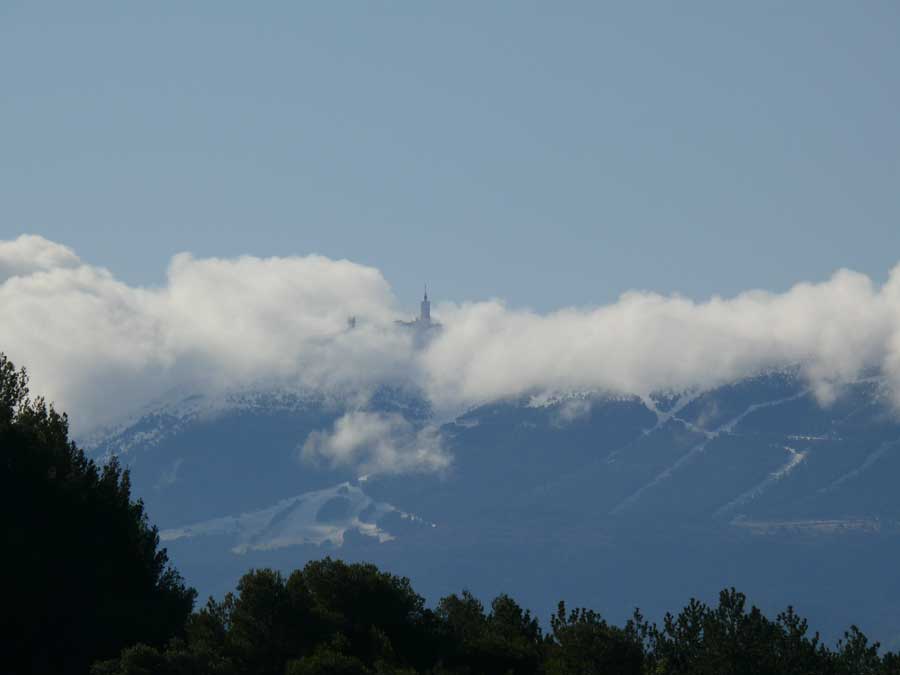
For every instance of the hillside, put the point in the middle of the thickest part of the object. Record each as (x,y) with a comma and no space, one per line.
(630,500)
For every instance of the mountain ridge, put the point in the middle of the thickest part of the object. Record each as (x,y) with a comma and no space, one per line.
(718,483)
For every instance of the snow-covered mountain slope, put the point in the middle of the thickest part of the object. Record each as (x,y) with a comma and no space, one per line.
(669,494)
(200,457)
(314,517)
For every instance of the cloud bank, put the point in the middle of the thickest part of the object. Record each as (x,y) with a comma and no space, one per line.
(646,341)
(101,348)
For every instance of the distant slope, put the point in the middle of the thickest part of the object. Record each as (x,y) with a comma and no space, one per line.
(635,500)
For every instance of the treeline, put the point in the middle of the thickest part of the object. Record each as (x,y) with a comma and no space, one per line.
(335,618)
(87,589)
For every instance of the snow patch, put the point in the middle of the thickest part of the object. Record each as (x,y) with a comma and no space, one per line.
(794,460)
(303,519)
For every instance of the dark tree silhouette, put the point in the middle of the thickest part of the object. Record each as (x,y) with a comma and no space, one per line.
(84,573)
(325,619)
(584,644)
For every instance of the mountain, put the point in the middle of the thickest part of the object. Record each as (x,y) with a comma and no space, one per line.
(616,500)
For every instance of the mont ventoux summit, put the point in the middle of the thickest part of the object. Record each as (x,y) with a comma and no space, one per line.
(617,500)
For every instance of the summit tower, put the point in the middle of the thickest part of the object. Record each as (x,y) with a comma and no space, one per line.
(423,324)
(425,309)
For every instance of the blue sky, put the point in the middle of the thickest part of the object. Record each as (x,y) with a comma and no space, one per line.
(549,154)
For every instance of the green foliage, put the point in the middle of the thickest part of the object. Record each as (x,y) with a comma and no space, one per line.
(508,640)
(330,659)
(325,619)
(87,576)
(584,644)
(734,639)
(355,599)
(855,656)
(176,659)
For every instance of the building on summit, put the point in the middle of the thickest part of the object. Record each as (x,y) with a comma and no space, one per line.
(423,325)
(425,308)
(424,321)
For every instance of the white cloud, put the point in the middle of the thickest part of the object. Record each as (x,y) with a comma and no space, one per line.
(30,253)
(647,341)
(377,443)
(101,348)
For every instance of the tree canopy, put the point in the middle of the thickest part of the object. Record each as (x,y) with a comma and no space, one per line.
(333,618)
(84,572)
